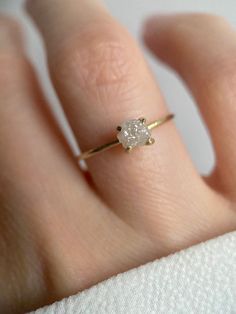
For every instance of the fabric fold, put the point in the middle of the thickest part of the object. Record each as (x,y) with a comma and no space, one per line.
(200,279)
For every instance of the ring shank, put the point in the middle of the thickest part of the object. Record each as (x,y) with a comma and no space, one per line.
(116,142)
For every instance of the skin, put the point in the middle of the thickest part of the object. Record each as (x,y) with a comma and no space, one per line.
(62,230)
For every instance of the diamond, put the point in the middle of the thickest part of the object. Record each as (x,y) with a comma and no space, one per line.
(133,133)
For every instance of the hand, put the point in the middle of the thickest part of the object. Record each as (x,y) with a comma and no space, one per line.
(62,231)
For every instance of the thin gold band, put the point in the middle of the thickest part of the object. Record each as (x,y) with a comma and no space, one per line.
(116,142)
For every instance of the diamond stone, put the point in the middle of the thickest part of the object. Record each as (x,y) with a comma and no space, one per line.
(133,133)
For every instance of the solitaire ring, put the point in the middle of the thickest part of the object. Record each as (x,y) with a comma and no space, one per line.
(130,134)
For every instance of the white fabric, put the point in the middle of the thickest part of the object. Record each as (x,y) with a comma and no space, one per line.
(201,279)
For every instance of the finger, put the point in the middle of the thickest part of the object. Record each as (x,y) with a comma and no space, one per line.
(202,49)
(30,140)
(53,230)
(43,197)
(102,80)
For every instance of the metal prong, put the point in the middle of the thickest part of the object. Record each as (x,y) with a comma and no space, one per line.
(128,149)
(143,120)
(150,141)
(119,128)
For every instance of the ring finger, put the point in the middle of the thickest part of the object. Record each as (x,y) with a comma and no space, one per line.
(102,80)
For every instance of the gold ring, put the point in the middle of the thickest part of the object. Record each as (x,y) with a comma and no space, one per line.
(131,133)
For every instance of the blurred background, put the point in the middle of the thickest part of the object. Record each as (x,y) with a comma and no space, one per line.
(132,13)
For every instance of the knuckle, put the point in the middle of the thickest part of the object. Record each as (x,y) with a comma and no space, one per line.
(103,61)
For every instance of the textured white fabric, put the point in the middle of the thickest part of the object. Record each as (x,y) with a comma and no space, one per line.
(201,279)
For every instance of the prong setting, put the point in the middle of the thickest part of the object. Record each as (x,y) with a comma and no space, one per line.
(150,141)
(128,149)
(143,120)
(133,133)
